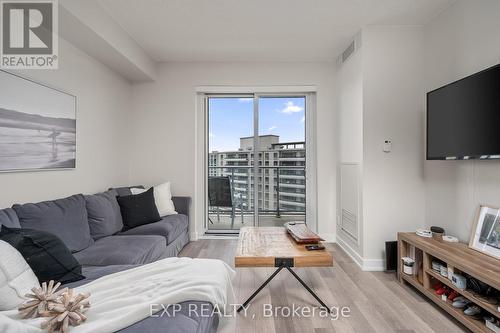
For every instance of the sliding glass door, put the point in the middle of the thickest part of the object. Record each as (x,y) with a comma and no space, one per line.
(282,156)
(256,154)
(230,128)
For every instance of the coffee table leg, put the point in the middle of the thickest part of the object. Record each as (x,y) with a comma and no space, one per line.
(308,289)
(260,288)
(269,280)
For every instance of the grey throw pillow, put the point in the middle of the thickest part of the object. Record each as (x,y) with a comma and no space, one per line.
(104,214)
(8,218)
(66,218)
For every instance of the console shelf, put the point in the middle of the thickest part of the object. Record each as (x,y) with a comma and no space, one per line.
(457,255)
(491,308)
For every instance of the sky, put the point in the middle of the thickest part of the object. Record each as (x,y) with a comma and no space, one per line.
(232,118)
(26,96)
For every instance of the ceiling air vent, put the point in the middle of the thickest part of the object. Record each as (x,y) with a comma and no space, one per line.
(349,51)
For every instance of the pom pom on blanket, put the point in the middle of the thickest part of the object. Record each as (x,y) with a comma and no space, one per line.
(40,300)
(63,308)
(68,312)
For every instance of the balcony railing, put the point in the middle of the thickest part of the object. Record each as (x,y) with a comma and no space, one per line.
(272,184)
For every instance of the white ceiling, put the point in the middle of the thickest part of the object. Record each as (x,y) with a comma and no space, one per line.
(259,30)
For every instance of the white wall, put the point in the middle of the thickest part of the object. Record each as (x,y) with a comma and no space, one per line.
(389,67)
(393,186)
(461,41)
(350,90)
(350,133)
(164,123)
(103,109)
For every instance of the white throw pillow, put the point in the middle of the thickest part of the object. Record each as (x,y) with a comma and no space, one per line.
(163,198)
(16,277)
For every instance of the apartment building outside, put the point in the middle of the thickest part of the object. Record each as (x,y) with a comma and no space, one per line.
(281,176)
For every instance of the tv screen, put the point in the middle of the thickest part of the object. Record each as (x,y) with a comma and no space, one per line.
(463,118)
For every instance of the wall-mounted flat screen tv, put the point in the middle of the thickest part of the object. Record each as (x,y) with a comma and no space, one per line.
(463,118)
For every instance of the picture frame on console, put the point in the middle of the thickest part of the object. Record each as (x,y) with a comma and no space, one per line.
(37,126)
(485,234)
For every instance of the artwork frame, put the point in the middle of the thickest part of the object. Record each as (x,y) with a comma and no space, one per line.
(485,233)
(38,126)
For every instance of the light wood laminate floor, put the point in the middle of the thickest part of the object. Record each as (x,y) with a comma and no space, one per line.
(378,303)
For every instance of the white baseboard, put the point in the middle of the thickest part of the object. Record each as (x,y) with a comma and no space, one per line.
(193,236)
(208,236)
(351,252)
(368,265)
(373,265)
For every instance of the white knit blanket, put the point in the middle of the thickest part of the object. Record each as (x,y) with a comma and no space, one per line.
(121,299)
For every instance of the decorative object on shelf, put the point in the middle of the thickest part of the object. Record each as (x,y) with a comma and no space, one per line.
(41,299)
(37,126)
(459,281)
(451,239)
(453,294)
(442,291)
(472,310)
(451,271)
(443,270)
(437,233)
(483,291)
(69,311)
(485,235)
(460,302)
(408,264)
(424,233)
(493,324)
(436,266)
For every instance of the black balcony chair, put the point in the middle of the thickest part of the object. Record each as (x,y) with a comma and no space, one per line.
(221,194)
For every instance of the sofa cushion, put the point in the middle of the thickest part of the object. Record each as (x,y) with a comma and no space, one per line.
(46,254)
(138,209)
(123,250)
(66,218)
(16,277)
(123,191)
(8,218)
(105,218)
(170,227)
(163,198)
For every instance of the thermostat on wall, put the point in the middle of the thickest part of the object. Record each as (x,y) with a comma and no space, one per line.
(387,146)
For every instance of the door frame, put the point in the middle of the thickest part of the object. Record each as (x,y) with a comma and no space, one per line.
(201,157)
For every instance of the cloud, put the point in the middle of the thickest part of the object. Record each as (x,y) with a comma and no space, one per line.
(291,108)
(303,119)
(272,128)
(245,100)
(211,135)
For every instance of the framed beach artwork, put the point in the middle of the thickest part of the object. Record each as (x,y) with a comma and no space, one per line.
(37,126)
(485,236)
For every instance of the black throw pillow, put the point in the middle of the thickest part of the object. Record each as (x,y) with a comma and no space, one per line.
(45,253)
(138,209)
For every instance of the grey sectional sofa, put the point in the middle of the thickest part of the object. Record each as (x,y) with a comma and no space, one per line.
(91,227)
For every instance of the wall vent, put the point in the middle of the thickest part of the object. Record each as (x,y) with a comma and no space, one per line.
(348,52)
(353,47)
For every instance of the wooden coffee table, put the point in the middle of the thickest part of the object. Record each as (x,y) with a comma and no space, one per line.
(274,247)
